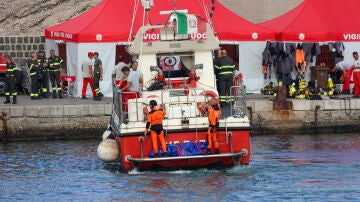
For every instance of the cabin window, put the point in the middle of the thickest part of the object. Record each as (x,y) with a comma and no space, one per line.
(175,65)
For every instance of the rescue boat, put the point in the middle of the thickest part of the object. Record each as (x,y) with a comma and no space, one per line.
(178,73)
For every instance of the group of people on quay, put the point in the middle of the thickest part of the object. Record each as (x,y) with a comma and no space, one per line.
(41,71)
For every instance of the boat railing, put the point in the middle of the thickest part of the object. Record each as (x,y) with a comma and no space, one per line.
(238,107)
(120,104)
(117,117)
(198,95)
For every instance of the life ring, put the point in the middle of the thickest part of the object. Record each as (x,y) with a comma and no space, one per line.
(209,93)
(145,109)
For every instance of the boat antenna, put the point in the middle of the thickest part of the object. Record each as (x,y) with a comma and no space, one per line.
(212,8)
(174,5)
(147,4)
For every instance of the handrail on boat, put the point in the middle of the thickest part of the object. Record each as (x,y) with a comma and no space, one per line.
(238,107)
(146,159)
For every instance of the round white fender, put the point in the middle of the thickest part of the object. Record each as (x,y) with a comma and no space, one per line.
(108,150)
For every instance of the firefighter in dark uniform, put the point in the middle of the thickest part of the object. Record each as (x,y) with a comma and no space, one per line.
(35,73)
(55,67)
(10,80)
(44,80)
(98,70)
(225,67)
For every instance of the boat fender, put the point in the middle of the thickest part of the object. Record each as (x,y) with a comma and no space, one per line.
(108,150)
(209,93)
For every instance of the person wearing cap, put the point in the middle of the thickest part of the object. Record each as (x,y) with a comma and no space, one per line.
(98,72)
(154,122)
(44,80)
(35,73)
(55,67)
(88,75)
(11,69)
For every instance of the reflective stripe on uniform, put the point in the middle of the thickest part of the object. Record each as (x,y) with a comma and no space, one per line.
(225,67)
(225,73)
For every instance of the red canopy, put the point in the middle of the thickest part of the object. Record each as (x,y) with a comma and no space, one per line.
(110,21)
(319,20)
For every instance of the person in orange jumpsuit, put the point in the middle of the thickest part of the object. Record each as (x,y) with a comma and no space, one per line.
(214,114)
(154,122)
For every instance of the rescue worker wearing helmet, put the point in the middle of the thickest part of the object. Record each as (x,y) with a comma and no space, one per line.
(154,122)
(214,114)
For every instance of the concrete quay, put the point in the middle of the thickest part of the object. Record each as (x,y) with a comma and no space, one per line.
(340,113)
(75,118)
(68,118)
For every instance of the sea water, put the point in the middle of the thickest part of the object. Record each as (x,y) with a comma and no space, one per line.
(283,168)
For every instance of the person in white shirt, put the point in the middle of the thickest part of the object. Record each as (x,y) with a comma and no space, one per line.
(356,74)
(116,74)
(133,83)
(87,73)
(135,78)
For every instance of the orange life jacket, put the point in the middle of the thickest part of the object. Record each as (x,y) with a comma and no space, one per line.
(155,119)
(214,116)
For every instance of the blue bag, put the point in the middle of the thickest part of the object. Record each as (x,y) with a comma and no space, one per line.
(173,149)
(190,149)
(202,147)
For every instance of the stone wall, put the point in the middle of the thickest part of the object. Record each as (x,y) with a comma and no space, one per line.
(306,116)
(21,47)
(85,120)
(54,121)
